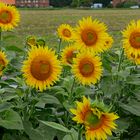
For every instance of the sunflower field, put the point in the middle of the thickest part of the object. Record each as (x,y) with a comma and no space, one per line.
(84,89)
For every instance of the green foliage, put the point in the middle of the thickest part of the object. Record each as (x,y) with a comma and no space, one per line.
(11,120)
(75,3)
(58,3)
(129,4)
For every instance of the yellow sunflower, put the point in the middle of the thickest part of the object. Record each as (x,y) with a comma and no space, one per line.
(68,54)
(42,68)
(87,68)
(3,62)
(65,32)
(91,34)
(133,58)
(108,43)
(131,41)
(31,41)
(9,17)
(98,124)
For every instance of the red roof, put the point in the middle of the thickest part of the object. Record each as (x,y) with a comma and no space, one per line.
(8,1)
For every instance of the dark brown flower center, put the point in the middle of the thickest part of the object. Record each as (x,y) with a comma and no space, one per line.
(5,17)
(89,37)
(135,40)
(86,68)
(70,57)
(66,33)
(40,68)
(2,64)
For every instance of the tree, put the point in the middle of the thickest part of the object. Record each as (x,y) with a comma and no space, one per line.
(77,3)
(60,3)
(86,2)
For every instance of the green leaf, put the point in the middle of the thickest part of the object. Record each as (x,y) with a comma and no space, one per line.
(12,136)
(82,90)
(9,95)
(56,126)
(7,136)
(34,134)
(133,107)
(122,125)
(47,132)
(133,79)
(11,120)
(72,136)
(137,96)
(68,82)
(137,93)
(58,90)
(137,137)
(5,106)
(47,99)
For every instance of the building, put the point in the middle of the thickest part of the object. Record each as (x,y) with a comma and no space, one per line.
(8,1)
(32,3)
(27,3)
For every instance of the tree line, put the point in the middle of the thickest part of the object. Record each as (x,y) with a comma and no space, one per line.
(77,3)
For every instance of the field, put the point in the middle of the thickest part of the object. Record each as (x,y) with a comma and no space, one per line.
(43,23)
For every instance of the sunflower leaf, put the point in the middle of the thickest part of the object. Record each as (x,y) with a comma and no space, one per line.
(56,126)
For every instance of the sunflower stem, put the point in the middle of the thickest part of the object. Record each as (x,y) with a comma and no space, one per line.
(71,91)
(72,87)
(80,134)
(120,60)
(59,47)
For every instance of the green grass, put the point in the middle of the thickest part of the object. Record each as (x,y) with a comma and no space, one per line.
(43,23)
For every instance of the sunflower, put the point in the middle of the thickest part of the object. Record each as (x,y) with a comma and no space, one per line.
(9,17)
(99,127)
(65,32)
(68,54)
(98,124)
(91,34)
(3,62)
(31,41)
(133,58)
(87,68)
(108,42)
(42,68)
(131,41)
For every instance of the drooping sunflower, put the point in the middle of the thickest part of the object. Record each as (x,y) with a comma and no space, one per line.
(65,32)
(68,54)
(9,17)
(31,41)
(3,62)
(91,34)
(41,69)
(131,39)
(87,68)
(98,124)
